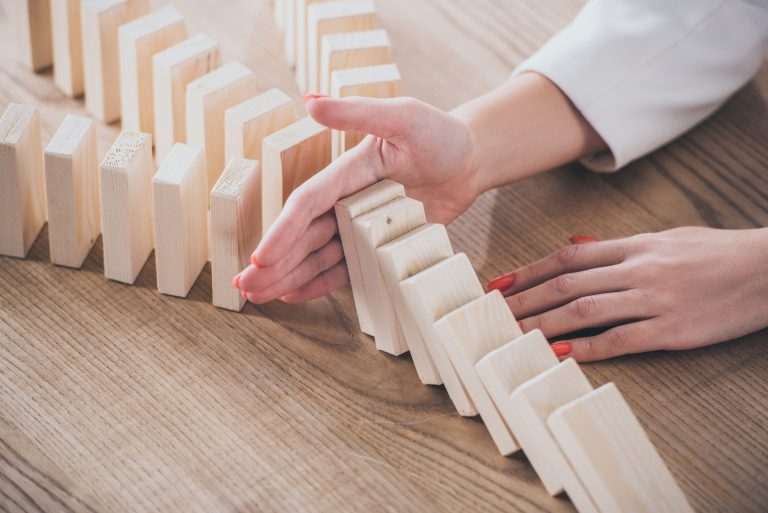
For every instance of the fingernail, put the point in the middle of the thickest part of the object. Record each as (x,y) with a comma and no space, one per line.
(236,281)
(253,260)
(244,294)
(561,349)
(581,239)
(314,96)
(501,283)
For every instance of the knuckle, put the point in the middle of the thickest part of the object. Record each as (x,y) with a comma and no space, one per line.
(563,284)
(619,339)
(586,307)
(516,303)
(567,254)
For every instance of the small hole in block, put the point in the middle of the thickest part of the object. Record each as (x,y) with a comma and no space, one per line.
(389,220)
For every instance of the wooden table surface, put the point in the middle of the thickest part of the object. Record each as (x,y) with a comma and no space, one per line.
(114,398)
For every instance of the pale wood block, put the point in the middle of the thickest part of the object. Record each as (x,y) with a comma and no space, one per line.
(289,31)
(279,12)
(469,333)
(235,228)
(346,209)
(22,187)
(67,46)
(72,191)
(207,99)
(172,70)
(433,293)
(352,50)
(138,41)
(34,27)
(371,230)
(180,195)
(399,259)
(126,206)
(99,22)
(613,456)
(300,40)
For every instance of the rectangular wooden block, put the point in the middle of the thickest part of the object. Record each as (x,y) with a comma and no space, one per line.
(433,293)
(279,13)
(126,206)
(371,230)
(34,26)
(346,209)
(289,31)
(180,195)
(22,186)
(207,99)
(352,50)
(235,228)
(72,191)
(300,40)
(612,455)
(172,69)
(67,46)
(469,333)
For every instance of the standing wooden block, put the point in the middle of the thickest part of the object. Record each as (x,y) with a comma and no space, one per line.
(346,209)
(172,70)
(22,187)
(289,31)
(400,259)
(352,50)
(235,228)
(246,124)
(67,46)
(300,40)
(469,333)
(34,25)
(207,99)
(138,41)
(126,206)
(371,230)
(72,191)
(280,14)
(180,194)
(612,455)
(433,293)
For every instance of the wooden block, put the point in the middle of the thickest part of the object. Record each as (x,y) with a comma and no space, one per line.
(612,455)
(126,206)
(532,403)
(34,25)
(371,230)
(433,293)
(172,70)
(99,21)
(279,11)
(300,40)
(289,31)
(352,50)
(22,187)
(399,259)
(180,195)
(138,41)
(469,333)
(235,228)
(67,46)
(207,99)
(72,191)
(346,209)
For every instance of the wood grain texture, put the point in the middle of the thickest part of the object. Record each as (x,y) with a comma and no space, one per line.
(352,50)
(116,398)
(67,41)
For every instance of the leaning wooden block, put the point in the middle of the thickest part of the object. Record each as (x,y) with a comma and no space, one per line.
(126,206)
(246,124)
(34,25)
(180,195)
(67,46)
(300,40)
(433,293)
(72,191)
(346,209)
(235,228)
(22,187)
(352,50)
(469,333)
(612,455)
(207,99)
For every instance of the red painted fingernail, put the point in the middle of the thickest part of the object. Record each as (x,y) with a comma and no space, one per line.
(581,239)
(561,349)
(501,283)
(244,294)
(314,96)
(236,281)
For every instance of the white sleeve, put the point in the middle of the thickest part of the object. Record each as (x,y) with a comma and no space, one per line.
(644,72)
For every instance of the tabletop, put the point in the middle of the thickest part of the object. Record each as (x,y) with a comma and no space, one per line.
(115,398)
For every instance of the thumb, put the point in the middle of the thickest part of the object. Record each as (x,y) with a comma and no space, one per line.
(387,118)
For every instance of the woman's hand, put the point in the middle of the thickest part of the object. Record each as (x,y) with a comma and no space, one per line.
(678,289)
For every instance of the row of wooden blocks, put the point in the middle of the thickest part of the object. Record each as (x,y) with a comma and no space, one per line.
(413,293)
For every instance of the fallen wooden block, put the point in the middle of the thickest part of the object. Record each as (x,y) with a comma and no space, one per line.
(100,20)
(469,333)
(22,187)
(34,24)
(72,191)
(126,206)
(67,46)
(612,455)
(235,228)
(172,70)
(180,195)
(352,50)
(207,99)
(300,40)
(433,293)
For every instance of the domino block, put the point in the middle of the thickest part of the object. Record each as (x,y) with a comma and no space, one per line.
(246,124)
(126,206)
(207,99)
(172,70)
(289,31)
(469,333)
(99,21)
(72,191)
(235,228)
(371,230)
(352,50)
(612,455)
(22,188)
(67,46)
(34,25)
(346,209)
(180,195)
(280,14)
(300,40)
(431,294)
(400,259)
(138,41)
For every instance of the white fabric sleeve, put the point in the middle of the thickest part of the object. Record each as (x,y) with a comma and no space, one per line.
(644,72)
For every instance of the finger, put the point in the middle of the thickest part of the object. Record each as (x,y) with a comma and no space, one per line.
(636,337)
(581,239)
(328,281)
(386,118)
